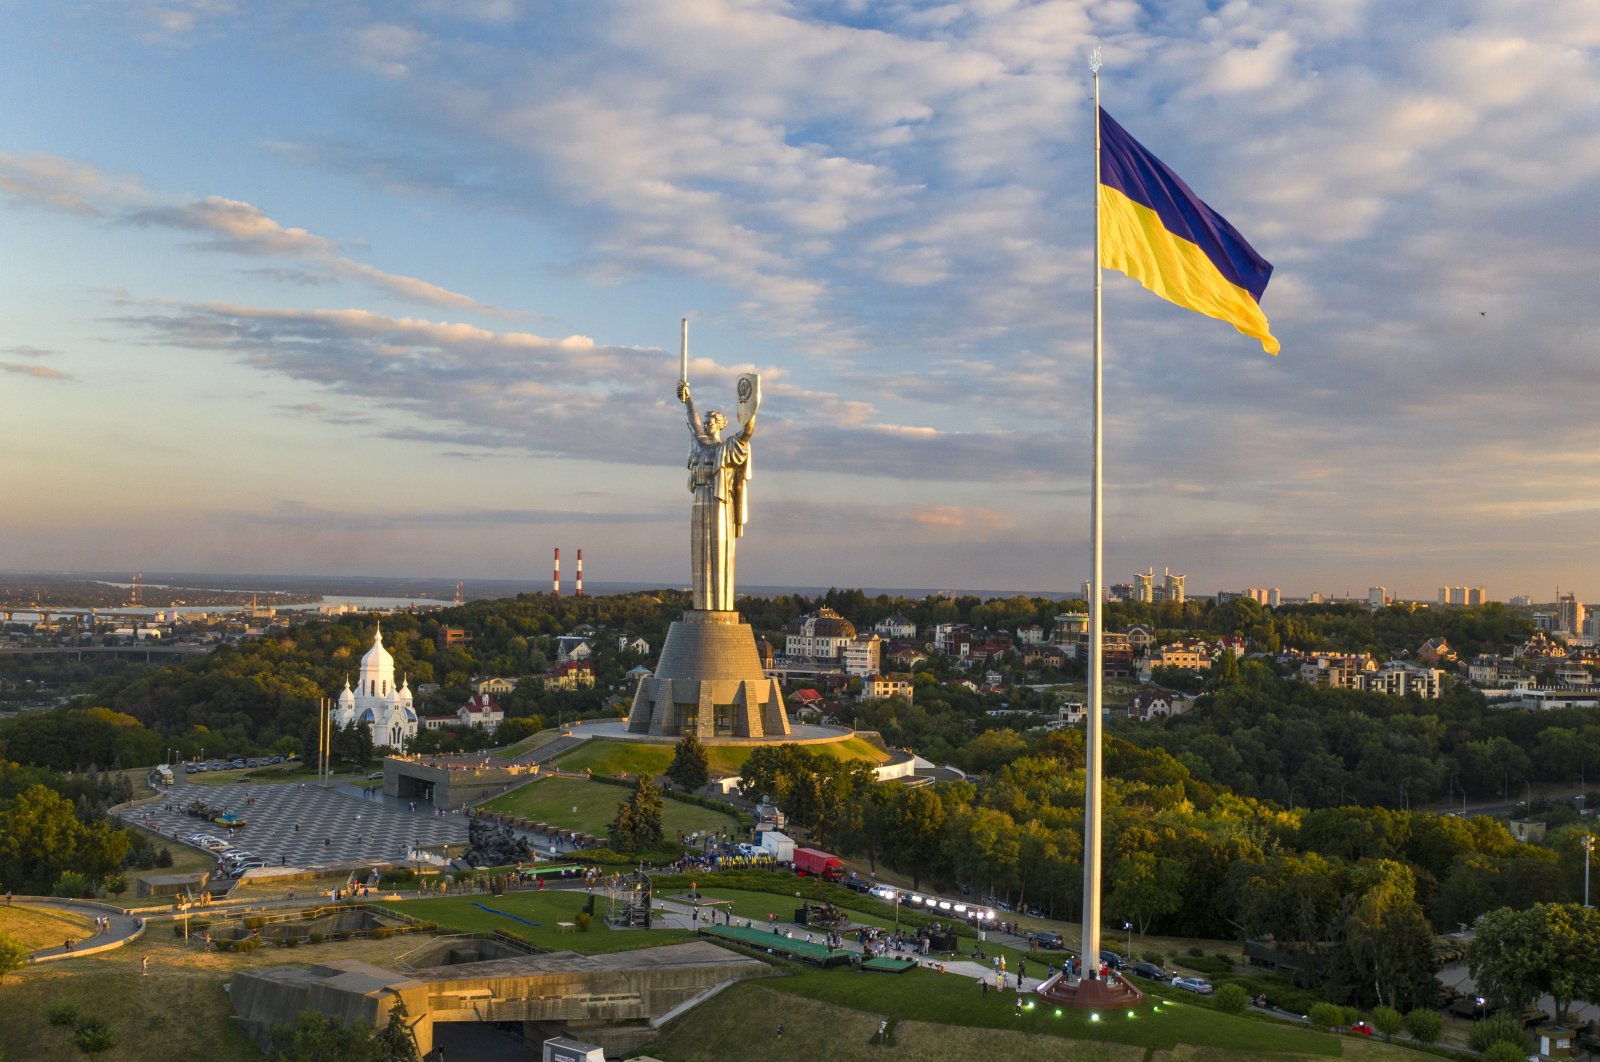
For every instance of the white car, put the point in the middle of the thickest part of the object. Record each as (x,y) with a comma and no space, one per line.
(210,843)
(1193,984)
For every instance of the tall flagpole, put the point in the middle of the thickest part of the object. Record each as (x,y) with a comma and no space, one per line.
(1091,739)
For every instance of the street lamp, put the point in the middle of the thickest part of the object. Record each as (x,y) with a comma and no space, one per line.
(1588,849)
(1127,923)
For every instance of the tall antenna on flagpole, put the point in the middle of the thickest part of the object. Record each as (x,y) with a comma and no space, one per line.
(1092,738)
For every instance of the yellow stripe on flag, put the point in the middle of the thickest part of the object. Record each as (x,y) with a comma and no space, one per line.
(1134,241)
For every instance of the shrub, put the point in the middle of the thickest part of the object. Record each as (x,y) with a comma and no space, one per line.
(1194,953)
(248,944)
(1504,1051)
(92,1037)
(1231,999)
(1348,1016)
(1387,1020)
(164,857)
(315,938)
(1425,1026)
(65,1015)
(1500,1029)
(583,921)
(254,922)
(1154,956)
(1279,990)
(72,885)
(1326,1016)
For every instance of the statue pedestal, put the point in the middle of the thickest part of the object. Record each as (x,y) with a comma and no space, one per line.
(710,683)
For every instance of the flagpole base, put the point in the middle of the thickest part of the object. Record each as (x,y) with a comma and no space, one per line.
(1089,993)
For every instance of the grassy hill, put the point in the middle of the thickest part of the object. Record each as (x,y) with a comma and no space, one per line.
(628,757)
(589,807)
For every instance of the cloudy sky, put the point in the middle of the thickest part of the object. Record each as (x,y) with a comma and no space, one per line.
(394,288)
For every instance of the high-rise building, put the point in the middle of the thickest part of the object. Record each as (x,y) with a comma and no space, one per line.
(1144,586)
(1520,601)
(1569,613)
(1174,586)
(1377,596)
(1477,595)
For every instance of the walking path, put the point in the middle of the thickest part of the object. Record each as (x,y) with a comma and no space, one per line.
(122,928)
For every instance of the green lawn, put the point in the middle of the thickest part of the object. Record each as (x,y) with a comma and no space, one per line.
(835,1014)
(1157,1024)
(551,800)
(631,757)
(462,914)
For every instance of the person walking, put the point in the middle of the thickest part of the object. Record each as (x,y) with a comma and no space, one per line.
(144,966)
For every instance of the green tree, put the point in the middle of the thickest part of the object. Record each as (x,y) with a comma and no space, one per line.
(637,827)
(394,1042)
(1552,948)
(1387,1021)
(1326,1015)
(690,768)
(916,817)
(1424,1025)
(12,955)
(1145,887)
(1387,937)
(1231,998)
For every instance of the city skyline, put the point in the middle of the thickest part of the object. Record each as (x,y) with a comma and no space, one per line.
(327,291)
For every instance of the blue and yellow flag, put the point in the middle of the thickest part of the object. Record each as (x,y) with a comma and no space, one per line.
(1157,231)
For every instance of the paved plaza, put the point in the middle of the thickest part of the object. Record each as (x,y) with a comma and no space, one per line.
(296,825)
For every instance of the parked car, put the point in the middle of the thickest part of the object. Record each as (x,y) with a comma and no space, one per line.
(1193,984)
(1113,960)
(1149,970)
(375,776)
(1052,941)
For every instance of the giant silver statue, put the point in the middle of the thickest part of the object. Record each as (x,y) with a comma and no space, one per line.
(709,680)
(719,474)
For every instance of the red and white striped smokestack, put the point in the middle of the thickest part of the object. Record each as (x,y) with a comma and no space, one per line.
(580,573)
(555,580)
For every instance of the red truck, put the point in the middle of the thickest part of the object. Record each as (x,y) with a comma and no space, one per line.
(817,863)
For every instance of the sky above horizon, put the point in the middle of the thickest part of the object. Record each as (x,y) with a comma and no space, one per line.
(345,288)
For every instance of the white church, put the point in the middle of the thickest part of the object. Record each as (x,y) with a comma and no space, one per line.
(377,702)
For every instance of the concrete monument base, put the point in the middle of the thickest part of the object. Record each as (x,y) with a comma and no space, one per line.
(710,683)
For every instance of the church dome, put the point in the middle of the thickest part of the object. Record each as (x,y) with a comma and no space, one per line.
(377,658)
